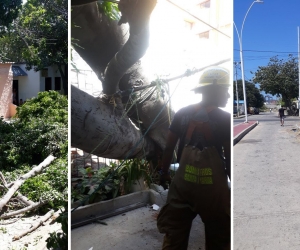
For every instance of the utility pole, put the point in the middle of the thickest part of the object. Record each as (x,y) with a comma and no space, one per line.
(236,90)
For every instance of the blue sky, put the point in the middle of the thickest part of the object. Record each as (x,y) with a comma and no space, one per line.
(269,26)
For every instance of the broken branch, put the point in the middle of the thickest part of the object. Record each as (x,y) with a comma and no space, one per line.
(23,210)
(35,226)
(34,171)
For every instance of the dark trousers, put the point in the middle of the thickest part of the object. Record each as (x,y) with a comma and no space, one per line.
(176,221)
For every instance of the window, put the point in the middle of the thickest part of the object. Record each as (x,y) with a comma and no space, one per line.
(204,35)
(57,83)
(204,5)
(48,84)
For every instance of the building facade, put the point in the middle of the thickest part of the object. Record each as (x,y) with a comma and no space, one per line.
(18,85)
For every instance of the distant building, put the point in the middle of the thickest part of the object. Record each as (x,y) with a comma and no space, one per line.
(17,83)
(241,107)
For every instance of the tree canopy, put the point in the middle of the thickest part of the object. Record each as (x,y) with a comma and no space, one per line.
(254,97)
(39,37)
(9,11)
(280,78)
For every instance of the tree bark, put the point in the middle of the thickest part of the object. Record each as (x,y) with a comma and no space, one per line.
(99,128)
(100,42)
(23,210)
(20,197)
(23,178)
(34,227)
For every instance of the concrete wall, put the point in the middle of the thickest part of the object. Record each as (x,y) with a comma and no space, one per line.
(52,72)
(29,85)
(34,82)
(5,89)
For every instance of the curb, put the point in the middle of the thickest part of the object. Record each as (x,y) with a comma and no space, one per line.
(243,133)
(104,209)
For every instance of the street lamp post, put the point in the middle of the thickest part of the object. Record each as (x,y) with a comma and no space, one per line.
(236,91)
(241,56)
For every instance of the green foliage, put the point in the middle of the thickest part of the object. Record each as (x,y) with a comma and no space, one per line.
(40,129)
(254,97)
(9,11)
(44,28)
(89,183)
(39,36)
(60,240)
(11,47)
(48,105)
(3,229)
(114,182)
(133,170)
(50,185)
(280,78)
(109,9)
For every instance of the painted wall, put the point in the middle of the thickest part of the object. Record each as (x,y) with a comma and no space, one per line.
(5,90)
(34,82)
(29,85)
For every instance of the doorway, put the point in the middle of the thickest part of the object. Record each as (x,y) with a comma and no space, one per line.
(15,92)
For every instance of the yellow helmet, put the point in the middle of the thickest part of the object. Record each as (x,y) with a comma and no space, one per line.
(214,76)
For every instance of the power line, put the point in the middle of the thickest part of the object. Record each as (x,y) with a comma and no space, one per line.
(267,51)
(198,18)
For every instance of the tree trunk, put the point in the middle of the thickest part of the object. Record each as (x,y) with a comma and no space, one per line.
(101,43)
(99,128)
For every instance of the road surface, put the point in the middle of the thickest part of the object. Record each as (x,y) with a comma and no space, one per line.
(266,186)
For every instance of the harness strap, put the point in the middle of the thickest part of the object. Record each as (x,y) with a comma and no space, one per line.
(203,124)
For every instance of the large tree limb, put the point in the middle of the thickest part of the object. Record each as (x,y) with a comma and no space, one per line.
(35,226)
(34,171)
(99,40)
(137,13)
(20,197)
(23,210)
(97,128)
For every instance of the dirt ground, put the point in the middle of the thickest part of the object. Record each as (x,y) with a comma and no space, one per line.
(36,240)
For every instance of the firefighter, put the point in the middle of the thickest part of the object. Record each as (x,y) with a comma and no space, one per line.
(200,185)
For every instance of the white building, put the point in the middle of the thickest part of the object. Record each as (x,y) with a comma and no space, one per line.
(16,81)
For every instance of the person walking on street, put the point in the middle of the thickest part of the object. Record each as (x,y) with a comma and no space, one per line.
(281,115)
(200,185)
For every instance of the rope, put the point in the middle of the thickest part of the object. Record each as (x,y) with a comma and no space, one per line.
(187,73)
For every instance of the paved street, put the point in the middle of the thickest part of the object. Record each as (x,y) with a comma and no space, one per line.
(267,185)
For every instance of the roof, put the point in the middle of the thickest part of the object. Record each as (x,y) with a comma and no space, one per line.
(17,71)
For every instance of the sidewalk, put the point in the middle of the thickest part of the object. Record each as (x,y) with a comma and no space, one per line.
(266,188)
(241,129)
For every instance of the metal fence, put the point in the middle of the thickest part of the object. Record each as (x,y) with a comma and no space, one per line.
(81,159)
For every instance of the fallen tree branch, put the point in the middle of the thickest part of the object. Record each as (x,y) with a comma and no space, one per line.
(3,179)
(9,222)
(34,171)
(24,199)
(23,210)
(34,227)
(20,197)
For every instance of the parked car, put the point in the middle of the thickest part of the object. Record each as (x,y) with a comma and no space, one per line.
(256,111)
